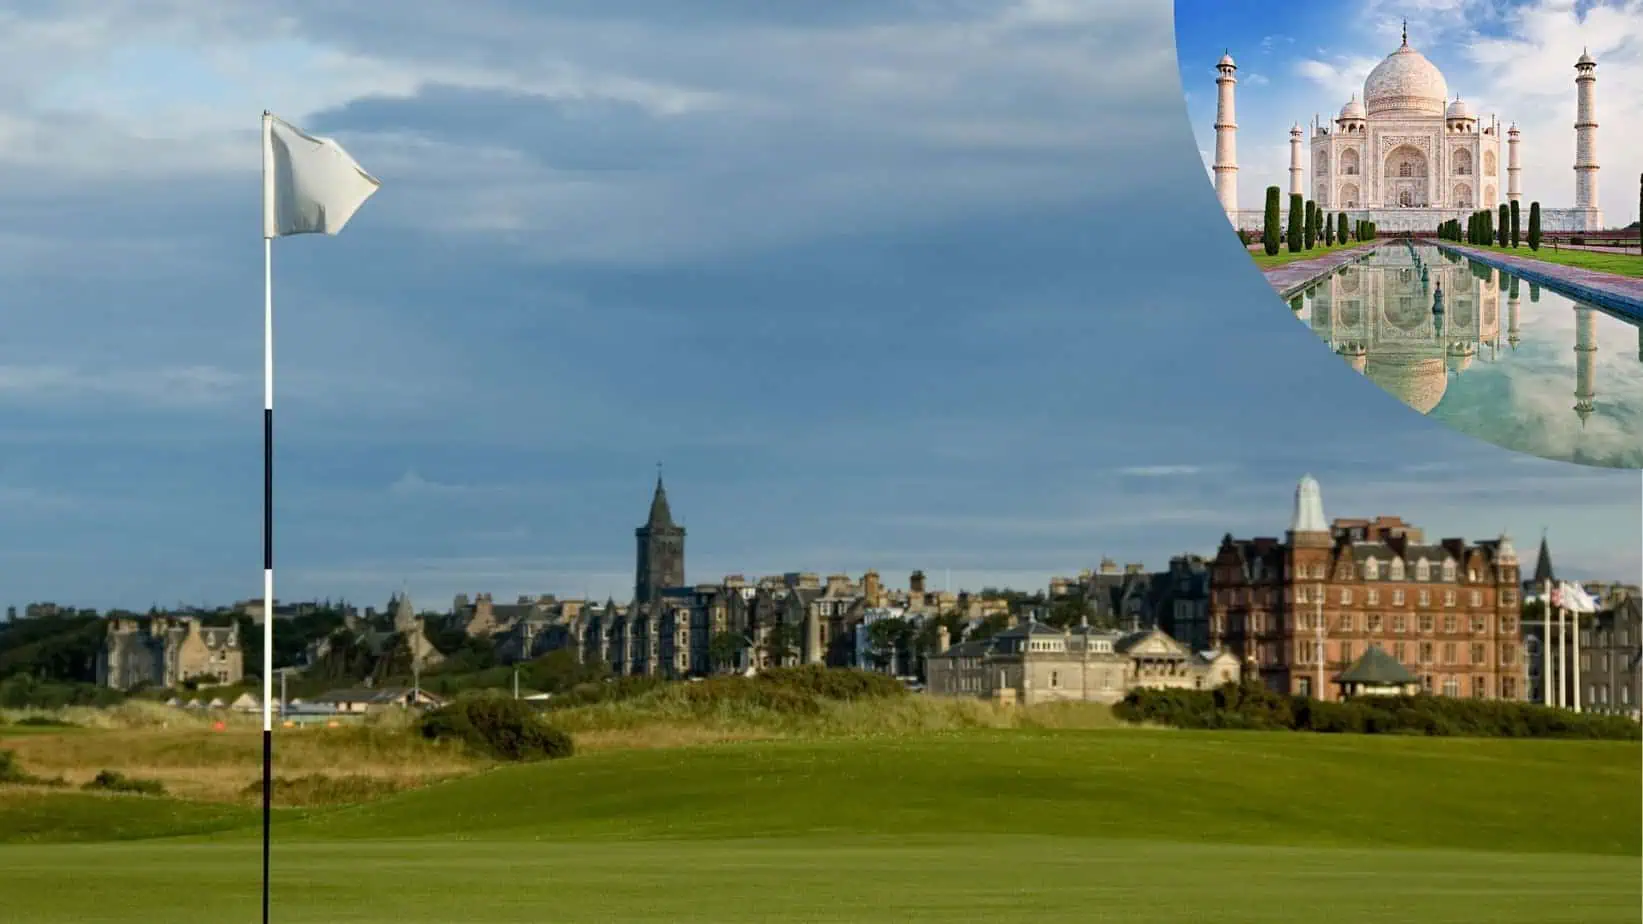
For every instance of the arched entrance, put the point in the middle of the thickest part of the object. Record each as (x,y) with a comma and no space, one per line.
(1405,177)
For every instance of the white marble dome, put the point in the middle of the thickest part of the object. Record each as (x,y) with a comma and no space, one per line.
(1226,61)
(1405,82)
(1459,110)
(1354,109)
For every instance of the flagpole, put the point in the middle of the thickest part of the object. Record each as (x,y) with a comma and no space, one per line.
(267,503)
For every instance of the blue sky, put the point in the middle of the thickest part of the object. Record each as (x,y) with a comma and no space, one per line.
(1510,58)
(881,283)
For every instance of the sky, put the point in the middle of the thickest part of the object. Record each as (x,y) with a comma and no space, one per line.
(1509,58)
(885,285)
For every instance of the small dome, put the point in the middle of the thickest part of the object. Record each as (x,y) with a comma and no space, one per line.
(1353,109)
(1586,59)
(1226,61)
(1459,110)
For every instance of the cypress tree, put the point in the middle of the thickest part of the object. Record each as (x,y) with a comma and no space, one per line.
(1297,217)
(1340,232)
(1503,233)
(1309,231)
(1516,236)
(1269,230)
(1534,226)
(1329,231)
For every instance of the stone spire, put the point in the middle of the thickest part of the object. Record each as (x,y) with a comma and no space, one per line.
(1309,509)
(1543,563)
(660,515)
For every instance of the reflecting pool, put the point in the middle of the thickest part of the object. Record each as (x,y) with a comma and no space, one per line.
(1490,355)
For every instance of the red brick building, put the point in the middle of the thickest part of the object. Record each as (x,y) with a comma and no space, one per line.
(1448,611)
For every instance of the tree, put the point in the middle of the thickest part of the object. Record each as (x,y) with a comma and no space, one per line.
(1534,226)
(782,642)
(1503,233)
(725,650)
(886,640)
(988,627)
(1070,610)
(1516,235)
(1297,218)
(1329,231)
(1269,230)
(1340,232)
(1310,232)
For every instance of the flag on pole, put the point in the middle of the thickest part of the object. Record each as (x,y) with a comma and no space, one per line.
(311,185)
(1574,598)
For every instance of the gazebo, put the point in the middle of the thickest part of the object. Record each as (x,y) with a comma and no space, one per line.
(1376,674)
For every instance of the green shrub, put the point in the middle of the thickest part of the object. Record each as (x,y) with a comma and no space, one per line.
(1534,226)
(1248,707)
(1516,235)
(115,781)
(44,721)
(10,772)
(1270,232)
(1297,221)
(498,727)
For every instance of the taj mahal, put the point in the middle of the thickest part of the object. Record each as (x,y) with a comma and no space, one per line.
(1406,156)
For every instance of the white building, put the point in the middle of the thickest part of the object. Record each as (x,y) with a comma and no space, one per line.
(1409,158)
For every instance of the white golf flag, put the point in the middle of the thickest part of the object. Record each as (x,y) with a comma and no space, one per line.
(310,185)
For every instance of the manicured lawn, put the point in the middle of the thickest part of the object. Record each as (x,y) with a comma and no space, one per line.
(1618,263)
(1284,256)
(989,826)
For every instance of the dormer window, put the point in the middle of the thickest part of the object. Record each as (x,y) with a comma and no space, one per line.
(1423,571)
(1397,569)
(1371,569)
(1448,570)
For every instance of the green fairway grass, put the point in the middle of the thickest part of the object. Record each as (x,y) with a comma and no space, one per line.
(1144,826)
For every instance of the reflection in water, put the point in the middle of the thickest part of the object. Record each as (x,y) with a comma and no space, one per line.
(1426,326)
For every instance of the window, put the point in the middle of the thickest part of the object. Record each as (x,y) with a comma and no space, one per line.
(1585,660)
(1448,598)
(1449,622)
(1371,569)
(1424,597)
(1305,686)
(1591,694)
(1478,654)
(1508,596)
(1508,654)
(1397,598)
(1426,622)
(1625,696)
(1423,570)
(1346,652)
(1397,569)
(1400,623)
(1400,651)
(1472,575)
(1346,596)
(1374,622)
(1480,686)
(1373,596)
(1348,624)
(1480,624)
(1508,625)
(1508,688)
(1451,686)
(1055,679)
(1477,598)
(1426,682)
(1448,652)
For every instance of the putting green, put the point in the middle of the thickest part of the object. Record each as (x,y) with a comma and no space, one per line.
(1135,826)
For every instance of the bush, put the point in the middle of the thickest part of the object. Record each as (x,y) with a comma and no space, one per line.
(115,781)
(1577,240)
(10,772)
(1297,221)
(44,721)
(1534,226)
(498,727)
(1244,706)
(1270,232)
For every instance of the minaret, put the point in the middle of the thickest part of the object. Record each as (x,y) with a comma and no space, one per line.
(1513,302)
(1585,359)
(1297,185)
(1586,141)
(1514,167)
(1226,136)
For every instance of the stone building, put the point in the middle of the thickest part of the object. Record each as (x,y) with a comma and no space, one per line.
(1611,660)
(1299,610)
(1035,663)
(166,651)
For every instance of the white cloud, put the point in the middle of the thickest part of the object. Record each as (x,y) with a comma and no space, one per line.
(1160,471)
(165,386)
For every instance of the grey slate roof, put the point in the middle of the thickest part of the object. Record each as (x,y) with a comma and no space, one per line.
(1378,668)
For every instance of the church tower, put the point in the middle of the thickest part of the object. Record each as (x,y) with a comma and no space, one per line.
(661,558)
(1586,141)
(1226,136)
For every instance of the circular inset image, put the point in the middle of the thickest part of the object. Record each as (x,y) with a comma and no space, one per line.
(1424,195)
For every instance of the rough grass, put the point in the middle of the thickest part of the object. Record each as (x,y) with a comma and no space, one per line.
(195,762)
